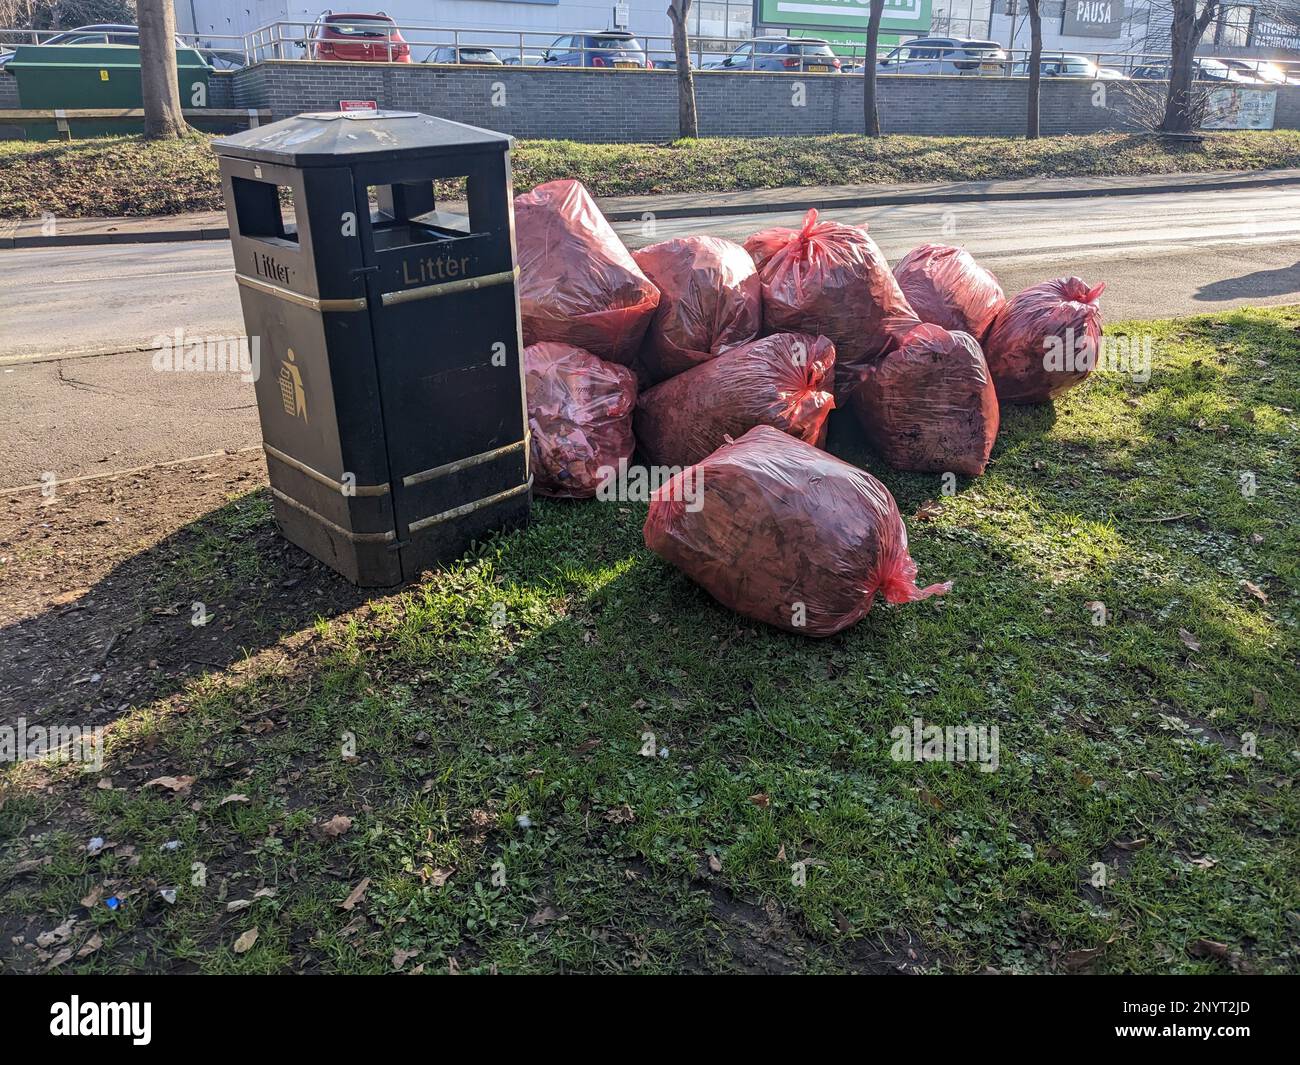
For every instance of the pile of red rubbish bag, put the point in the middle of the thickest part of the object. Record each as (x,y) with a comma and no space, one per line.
(719,365)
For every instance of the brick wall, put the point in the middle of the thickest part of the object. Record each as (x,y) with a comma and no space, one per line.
(593,105)
(8,92)
(221,88)
(1287,115)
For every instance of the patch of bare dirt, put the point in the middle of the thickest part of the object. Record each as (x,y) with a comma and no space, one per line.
(98,586)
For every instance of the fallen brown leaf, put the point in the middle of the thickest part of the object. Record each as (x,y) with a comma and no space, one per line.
(929,510)
(176,785)
(358,893)
(1255,590)
(437,877)
(57,935)
(245,942)
(336,825)
(90,946)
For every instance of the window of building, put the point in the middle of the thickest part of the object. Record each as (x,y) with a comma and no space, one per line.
(723,20)
(1234,25)
(961,18)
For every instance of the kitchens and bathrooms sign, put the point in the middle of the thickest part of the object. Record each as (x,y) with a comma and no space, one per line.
(912,16)
(1092,18)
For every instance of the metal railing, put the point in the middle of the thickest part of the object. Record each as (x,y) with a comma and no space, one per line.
(423,44)
(307,41)
(11,38)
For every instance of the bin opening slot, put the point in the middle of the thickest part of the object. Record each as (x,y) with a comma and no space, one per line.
(259,210)
(420,212)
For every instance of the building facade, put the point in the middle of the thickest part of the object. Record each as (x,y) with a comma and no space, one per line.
(1087,26)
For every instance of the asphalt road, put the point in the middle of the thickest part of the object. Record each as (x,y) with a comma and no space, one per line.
(79,395)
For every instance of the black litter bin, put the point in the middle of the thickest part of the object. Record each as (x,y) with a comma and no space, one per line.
(390,385)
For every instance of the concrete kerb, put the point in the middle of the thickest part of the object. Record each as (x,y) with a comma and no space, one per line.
(757,201)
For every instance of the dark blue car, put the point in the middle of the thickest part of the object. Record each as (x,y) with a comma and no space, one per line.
(613,49)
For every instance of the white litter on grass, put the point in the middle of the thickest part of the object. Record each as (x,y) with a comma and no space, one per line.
(524,821)
(95,845)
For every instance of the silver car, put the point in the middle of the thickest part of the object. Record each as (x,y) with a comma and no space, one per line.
(945,55)
(1070,66)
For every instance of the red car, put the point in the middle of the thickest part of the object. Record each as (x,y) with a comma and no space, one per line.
(358,38)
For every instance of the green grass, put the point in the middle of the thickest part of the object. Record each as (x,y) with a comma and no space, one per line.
(131,176)
(1120,744)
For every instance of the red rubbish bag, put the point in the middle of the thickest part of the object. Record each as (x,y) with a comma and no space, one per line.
(1045,340)
(930,406)
(578,284)
(579,415)
(767,242)
(710,298)
(784,533)
(947,287)
(782,380)
(831,279)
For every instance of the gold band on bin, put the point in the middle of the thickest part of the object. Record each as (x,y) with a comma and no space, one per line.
(447,288)
(469,508)
(412,479)
(358,304)
(325,478)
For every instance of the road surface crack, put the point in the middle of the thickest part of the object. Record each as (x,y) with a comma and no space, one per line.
(83,386)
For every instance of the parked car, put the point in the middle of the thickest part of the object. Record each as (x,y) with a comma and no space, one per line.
(1206,70)
(807,55)
(615,49)
(1070,66)
(1257,70)
(97,33)
(945,55)
(357,38)
(528,59)
(467,54)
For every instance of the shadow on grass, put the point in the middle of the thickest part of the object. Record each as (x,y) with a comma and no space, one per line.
(132,636)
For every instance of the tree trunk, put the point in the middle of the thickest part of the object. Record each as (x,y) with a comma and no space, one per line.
(688,122)
(1184,35)
(163,119)
(1035,69)
(870,111)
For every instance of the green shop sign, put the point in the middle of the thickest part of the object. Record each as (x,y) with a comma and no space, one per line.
(909,15)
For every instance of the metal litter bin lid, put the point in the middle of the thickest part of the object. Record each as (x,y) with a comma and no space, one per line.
(329,138)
